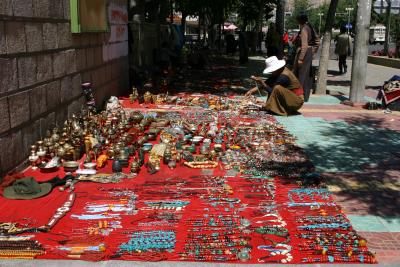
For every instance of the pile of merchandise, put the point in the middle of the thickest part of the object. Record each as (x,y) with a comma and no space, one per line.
(177,178)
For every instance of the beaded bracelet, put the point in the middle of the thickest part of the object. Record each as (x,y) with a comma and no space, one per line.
(201,164)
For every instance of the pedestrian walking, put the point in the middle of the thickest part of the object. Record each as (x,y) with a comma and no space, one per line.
(343,49)
(305,42)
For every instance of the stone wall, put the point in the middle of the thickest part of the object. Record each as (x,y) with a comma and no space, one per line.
(42,67)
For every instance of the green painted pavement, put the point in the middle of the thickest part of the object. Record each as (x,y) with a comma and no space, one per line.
(325,99)
(337,146)
(371,223)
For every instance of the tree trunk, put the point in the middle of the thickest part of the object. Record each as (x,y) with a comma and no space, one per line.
(259,28)
(171,14)
(280,16)
(325,50)
(138,18)
(199,29)
(387,24)
(360,59)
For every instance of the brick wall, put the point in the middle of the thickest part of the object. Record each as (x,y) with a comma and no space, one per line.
(42,65)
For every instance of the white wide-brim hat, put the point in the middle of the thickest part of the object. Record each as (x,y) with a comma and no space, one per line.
(273,64)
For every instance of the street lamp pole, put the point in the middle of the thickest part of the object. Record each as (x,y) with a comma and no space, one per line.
(348,9)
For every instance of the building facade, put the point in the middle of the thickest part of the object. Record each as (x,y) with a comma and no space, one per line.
(381,5)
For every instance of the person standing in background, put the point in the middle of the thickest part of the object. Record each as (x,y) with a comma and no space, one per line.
(243,48)
(342,49)
(285,40)
(273,42)
(304,54)
(230,44)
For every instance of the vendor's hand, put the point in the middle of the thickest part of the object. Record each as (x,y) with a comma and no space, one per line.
(255,78)
(250,92)
(300,62)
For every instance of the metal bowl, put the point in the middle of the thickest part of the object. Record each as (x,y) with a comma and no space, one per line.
(70,166)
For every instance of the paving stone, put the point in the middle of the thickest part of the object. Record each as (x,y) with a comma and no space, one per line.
(50,36)
(64,35)
(34,37)
(27,71)
(38,100)
(53,94)
(59,65)
(4,115)
(41,8)
(3,44)
(66,89)
(15,37)
(44,68)
(19,108)
(8,75)
(22,8)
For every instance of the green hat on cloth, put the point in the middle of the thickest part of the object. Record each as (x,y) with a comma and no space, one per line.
(26,188)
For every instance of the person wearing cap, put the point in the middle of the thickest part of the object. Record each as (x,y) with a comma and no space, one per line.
(285,93)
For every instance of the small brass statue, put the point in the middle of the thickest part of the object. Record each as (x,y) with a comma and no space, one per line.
(134,96)
(148,98)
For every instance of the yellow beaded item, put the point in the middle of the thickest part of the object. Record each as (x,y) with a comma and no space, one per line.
(201,164)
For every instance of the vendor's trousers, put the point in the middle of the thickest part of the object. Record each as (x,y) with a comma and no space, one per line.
(342,63)
(284,102)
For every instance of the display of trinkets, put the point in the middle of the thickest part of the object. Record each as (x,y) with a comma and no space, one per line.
(150,240)
(224,183)
(20,249)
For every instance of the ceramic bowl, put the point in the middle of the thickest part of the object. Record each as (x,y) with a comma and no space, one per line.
(90,165)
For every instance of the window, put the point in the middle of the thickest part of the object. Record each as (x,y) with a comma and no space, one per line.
(88,16)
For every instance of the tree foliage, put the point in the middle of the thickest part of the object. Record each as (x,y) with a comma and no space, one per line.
(341,17)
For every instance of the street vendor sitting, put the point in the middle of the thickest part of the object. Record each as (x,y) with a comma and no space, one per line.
(285,94)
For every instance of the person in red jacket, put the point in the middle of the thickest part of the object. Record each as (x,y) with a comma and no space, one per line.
(285,40)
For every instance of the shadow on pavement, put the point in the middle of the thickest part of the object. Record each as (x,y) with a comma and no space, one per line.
(370,155)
